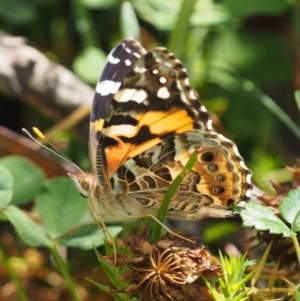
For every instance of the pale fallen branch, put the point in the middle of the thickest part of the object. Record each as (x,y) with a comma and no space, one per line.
(28,75)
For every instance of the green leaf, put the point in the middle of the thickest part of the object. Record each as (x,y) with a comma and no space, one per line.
(30,232)
(28,179)
(244,51)
(100,286)
(254,7)
(129,23)
(290,208)
(262,218)
(93,4)
(206,15)
(161,14)
(18,12)
(233,283)
(111,272)
(297,293)
(60,206)
(87,237)
(6,186)
(219,230)
(85,62)
(117,297)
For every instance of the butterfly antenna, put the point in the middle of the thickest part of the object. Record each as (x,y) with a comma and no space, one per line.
(54,151)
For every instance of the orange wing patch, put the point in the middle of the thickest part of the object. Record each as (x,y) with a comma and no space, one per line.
(159,124)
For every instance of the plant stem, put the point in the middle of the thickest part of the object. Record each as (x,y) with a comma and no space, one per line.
(62,267)
(179,34)
(83,21)
(278,112)
(13,276)
(297,248)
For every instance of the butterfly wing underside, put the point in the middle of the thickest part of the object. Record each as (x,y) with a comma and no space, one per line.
(154,123)
(150,105)
(218,179)
(118,64)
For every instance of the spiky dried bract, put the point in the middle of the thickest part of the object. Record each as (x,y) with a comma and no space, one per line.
(282,249)
(167,270)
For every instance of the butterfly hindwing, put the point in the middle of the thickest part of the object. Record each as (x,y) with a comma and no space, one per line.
(218,179)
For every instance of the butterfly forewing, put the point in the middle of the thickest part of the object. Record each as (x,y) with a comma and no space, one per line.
(118,64)
(155,101)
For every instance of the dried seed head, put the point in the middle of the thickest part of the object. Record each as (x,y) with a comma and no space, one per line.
(167,270)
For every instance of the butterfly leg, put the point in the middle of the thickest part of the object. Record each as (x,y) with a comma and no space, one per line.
(100,222)
(162,225)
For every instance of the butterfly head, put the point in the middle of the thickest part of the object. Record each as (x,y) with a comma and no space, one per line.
(83,182)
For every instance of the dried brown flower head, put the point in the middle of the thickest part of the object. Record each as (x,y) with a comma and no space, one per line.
(167,270)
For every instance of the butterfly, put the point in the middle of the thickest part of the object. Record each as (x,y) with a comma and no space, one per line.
(146,122)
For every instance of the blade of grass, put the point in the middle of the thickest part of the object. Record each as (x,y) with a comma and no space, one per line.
(260,265)
(273,279)
(63,269)
(13,276)
(226,77)
(129,22)
(178,36)
(297,97)
(83,21)
(277,111)
(297,248)
(169,194)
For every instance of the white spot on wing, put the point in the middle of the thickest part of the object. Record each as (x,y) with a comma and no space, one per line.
(113,60)
(107,87)
(162,80)
(127,62)
(203,109)
(192,95)
(140,96)
(186,81)
(209,124)
(131,94)
(140,69)
(127,130)
(248,179)
(242,163)
(235,150)
(163,93)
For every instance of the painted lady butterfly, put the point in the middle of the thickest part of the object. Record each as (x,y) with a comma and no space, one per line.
(146,121)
